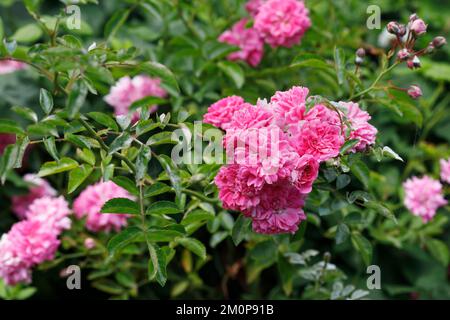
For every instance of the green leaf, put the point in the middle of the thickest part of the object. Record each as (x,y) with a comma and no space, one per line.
(76,98)
(78,140)
(127,184)
(164,137)
(120,240)
(342,181)
(348,145)
(363,246)
(53,167)
(197,216)
(170,169)
(146,102)
(310,60)
(163,207)
(121,142)
(157,264)
(50,146)
(339,61)
(104,120)
(26,113)
(121,206)
(28,33)
(342,233)
(143,157)
(381,209)
(162,235)
(156,189)
(361,171)
(193,245)
(386,151)
(77,177)
(46,101)
(86,155)
(162,72)
(240,229)
(9,126)
(144,126)
(233,71)
(439,250)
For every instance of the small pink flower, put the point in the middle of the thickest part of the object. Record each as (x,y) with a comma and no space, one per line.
(414,92)
(9,66)
(439,42)
(51,213)
(127,90)
(39,188)
(418,26)
(247,39)
(282,22)
(423,196)
(445,170)
(91,200)
(360,128)
(89,243)
(221,113)
(305,173)
(289,106)
(403,54)
(13,269)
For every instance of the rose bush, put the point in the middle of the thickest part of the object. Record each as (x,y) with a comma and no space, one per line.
(311,148)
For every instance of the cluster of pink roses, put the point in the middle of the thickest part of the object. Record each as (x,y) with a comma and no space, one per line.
(275,22)
(34,239)
(276,148)
(44,216)
(128,90)
(423,196)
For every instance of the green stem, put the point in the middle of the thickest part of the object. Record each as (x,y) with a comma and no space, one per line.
(200,196)
(372,86)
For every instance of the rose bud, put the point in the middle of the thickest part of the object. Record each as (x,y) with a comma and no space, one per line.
(89,243)
(393,27)
(429,48)
(439,42)
(413,17)
(414,92)
(401,30)
(360,53)
(403,54)
(418,27)
(413,63)
(358,60)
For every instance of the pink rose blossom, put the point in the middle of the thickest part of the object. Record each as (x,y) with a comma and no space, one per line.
(90,201)
(445,170)
(289,106)
(252,7)
(5,140)
(238,187)
(8,66)
(89,243)
(319,139)
(221,113)
(418,26)
(250,116)
(127,90)
(414,92)
(13,269)
(282,22)
(360,128)
(305,173)
(247,39)
(39,188)
(51,213)
(423,196)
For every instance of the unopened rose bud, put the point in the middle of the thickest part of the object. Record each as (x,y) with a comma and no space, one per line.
(393,27)
(430,48)
(359,61)
(403,55)
(89,243)
(401,30)
(360,53)
(414,92)
(418,27)
(414,63)
(413,17)
(439,42)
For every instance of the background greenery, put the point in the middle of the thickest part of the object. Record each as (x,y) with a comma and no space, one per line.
(354,220)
